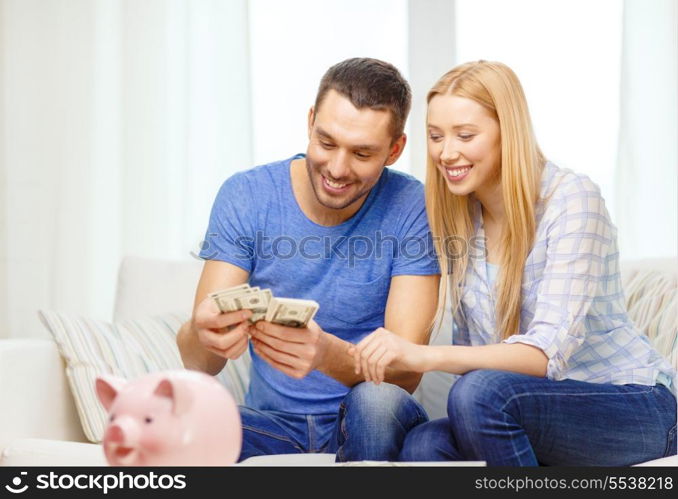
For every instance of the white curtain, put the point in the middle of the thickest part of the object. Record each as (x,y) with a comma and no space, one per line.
(120,120)
(647,170)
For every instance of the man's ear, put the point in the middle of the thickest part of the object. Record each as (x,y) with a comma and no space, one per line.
(311,119)
(396,149)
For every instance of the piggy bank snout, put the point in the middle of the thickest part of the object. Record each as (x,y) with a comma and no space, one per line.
(124,431)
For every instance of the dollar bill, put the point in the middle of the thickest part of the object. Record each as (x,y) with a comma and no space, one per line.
(244,297)
(264,306)
(234,289)
(257,302)
(291,312)
(226,299)
(223,297)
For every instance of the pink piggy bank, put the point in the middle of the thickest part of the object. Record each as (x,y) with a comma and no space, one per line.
(169,418)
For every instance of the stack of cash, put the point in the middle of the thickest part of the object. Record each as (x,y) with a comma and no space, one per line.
(264,306)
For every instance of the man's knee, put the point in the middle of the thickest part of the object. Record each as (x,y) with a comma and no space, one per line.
(374,420)
(379,400)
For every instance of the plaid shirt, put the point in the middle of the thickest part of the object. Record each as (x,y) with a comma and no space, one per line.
(572,301)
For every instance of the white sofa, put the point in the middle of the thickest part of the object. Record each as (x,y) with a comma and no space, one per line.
(39,425)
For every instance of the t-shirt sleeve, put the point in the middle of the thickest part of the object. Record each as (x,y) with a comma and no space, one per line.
(416,254)
(230,234)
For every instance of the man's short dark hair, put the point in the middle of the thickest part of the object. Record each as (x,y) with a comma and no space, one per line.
(370,83)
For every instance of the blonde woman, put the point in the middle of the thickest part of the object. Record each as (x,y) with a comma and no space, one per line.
(552,370)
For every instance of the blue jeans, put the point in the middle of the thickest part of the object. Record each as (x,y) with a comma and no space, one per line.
(371,423)
(510,419)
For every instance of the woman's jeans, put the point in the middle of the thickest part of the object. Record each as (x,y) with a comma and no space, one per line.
(371,424)
(510,419)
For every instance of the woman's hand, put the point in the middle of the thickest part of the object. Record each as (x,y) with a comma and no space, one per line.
(382,349)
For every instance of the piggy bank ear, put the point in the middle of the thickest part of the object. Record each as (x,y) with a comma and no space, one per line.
(178,393)
(107,388)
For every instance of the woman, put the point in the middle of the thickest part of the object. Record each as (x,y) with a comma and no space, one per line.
(552,370)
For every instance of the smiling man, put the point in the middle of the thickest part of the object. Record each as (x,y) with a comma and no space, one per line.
(336,226)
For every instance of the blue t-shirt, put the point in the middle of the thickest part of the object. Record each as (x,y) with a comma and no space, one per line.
(257,225)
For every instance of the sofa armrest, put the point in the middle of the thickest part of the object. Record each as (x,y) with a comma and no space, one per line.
(38,452)
(36,397)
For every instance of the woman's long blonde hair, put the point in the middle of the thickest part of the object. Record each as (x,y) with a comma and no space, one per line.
(496,87)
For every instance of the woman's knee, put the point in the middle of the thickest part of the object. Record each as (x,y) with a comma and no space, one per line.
(430,441)
(477,392)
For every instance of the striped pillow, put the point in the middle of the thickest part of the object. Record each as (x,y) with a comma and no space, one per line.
(127,349)
(652,303)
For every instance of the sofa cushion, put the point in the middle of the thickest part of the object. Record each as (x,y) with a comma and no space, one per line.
(149,286)
(43,390)
(127,349)
(435,386)
(42,452)
(651,290)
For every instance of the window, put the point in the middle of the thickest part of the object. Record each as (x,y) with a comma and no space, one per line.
(567,55)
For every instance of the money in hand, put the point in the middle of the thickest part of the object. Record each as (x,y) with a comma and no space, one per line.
(284,311)
(225,299)
(257,302)
(291,312)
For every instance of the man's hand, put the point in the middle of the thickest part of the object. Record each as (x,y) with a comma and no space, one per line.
(224,334)
(382,349)
(294,351)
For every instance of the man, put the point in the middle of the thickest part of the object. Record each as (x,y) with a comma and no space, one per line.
(338,227)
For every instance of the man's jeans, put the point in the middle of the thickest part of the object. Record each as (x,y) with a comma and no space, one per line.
(510,419)
(371,424)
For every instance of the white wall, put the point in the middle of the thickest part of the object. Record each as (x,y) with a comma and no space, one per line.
(567,55)
(646,177)
(431,54)
(120,121)
(601,81)
(294,42)
(46,137)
